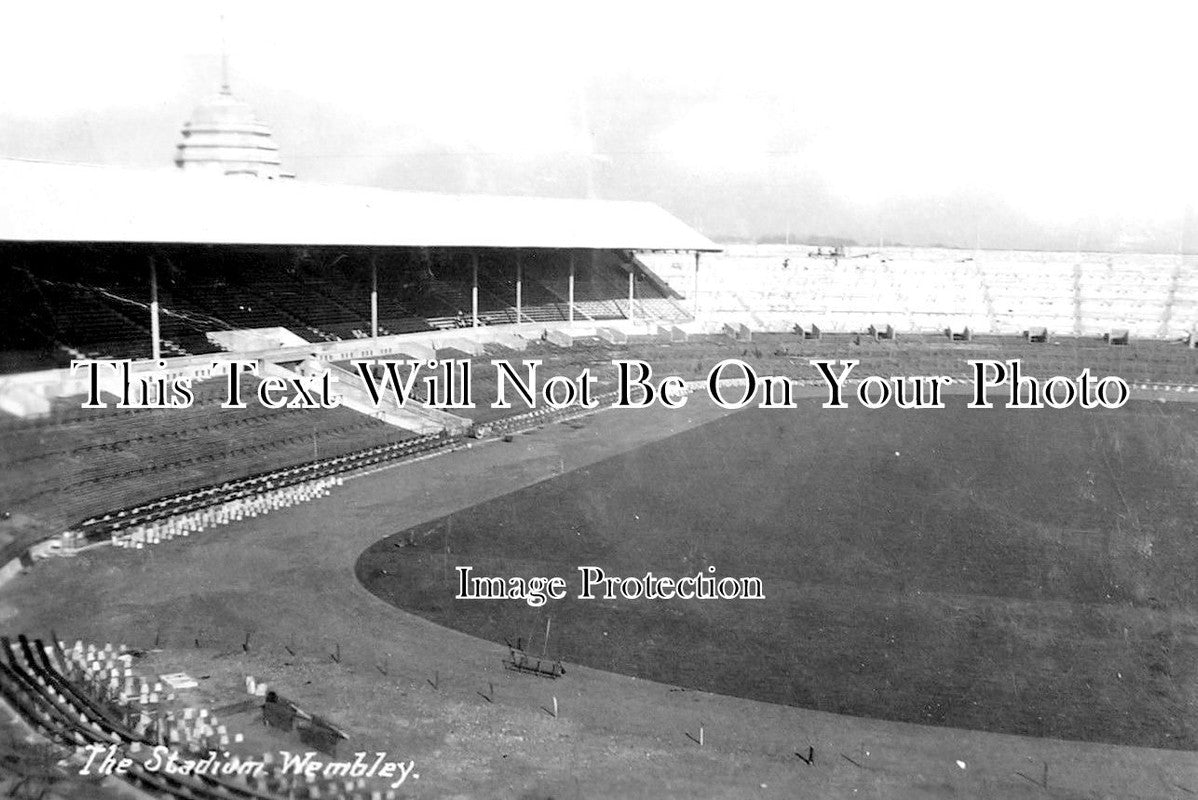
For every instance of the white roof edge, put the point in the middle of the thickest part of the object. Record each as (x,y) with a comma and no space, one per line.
(54,201)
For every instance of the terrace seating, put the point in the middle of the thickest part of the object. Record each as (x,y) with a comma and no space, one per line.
(550,312)
(95,307)
(313,308)
(232,306)
(89,698)
(85,454)
(929,290)
(76,318)
(155,531)
(217,504)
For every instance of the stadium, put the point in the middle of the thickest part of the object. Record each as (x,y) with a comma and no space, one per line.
(371,579)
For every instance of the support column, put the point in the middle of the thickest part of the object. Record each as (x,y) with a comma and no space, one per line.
(631,297)
(374,297)
(695,299)
(571,292)
(474,289)
(155,343)
(519,287)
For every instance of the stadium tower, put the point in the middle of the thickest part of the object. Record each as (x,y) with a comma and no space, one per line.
(224,137)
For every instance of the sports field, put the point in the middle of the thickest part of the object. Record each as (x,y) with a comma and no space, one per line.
(275,597)
(1024,572)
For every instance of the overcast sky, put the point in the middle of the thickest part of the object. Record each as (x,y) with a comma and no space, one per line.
(1005,124)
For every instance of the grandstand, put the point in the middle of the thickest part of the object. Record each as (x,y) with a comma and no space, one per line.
(125,264)
(106,263)
(930,290)
(103,263)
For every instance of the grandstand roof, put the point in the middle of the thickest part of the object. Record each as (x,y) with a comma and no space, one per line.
(42,201)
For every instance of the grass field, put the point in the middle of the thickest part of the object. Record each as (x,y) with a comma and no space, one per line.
(1012,571)
(286,582)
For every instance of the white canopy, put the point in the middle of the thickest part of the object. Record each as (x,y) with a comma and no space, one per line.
(42,201)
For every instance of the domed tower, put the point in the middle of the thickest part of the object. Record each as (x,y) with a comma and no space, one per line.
(224,137)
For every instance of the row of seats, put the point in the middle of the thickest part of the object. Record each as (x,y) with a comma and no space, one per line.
(71,311)
(90,699)
(234,510)
(137,455)
(919,291)
(304,481)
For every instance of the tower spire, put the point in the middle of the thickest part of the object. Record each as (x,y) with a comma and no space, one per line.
(224,137)
(224,59)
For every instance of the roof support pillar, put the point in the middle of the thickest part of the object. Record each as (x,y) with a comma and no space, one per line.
(374,296)
(571,288)
(155,343)
(474,289)
(631,298)
(695,299)
(519,286)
